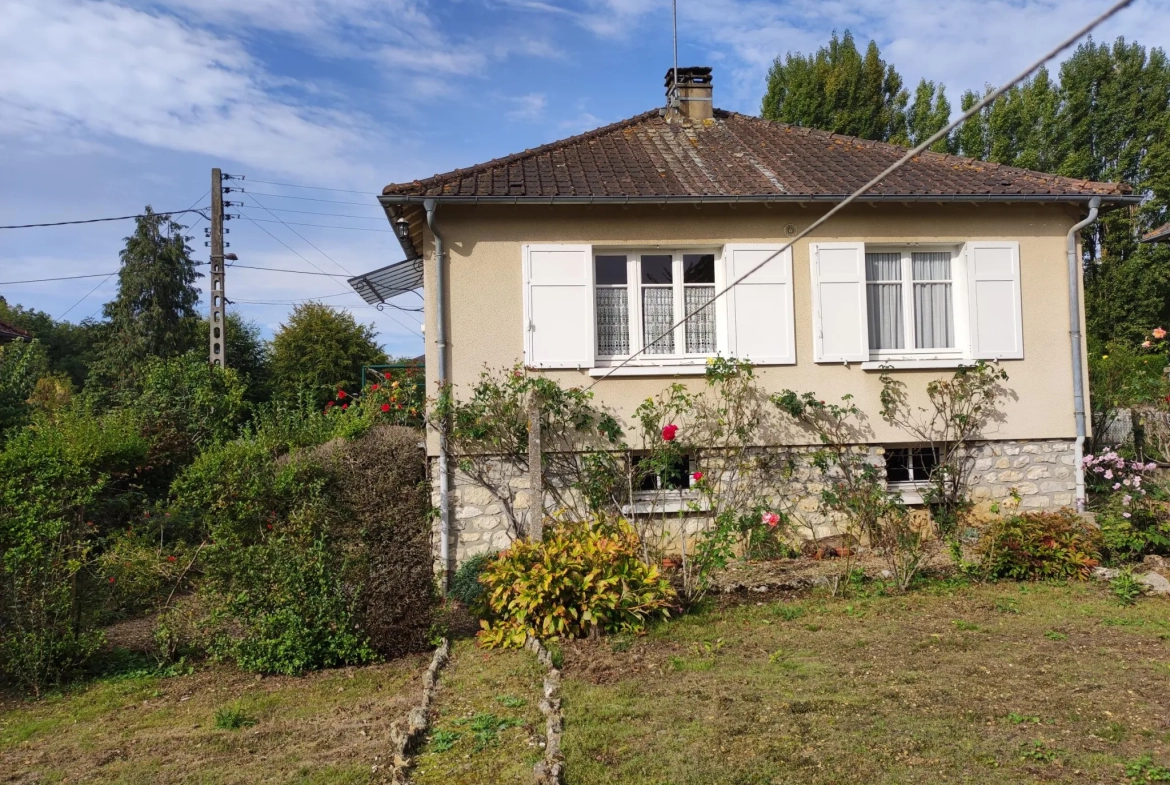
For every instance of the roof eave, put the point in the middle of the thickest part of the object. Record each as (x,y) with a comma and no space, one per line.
(390,200)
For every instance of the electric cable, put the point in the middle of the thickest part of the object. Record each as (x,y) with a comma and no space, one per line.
(305,198)
(100,220)
(245,178)
(328,226)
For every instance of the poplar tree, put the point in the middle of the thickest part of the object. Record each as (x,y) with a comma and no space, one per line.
(320,350)
(838,89)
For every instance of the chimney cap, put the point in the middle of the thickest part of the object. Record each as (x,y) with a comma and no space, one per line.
(694,75)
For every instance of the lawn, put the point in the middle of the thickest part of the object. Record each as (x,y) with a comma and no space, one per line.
(997,683)
(329,727)
(981,684)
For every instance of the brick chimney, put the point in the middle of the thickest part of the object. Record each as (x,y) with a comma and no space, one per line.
(693,101)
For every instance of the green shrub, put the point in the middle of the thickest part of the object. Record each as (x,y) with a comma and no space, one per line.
(1038,545)
(320,557)
(62,485)
(465,586)
(581,576)
(1126,587)
(231,718)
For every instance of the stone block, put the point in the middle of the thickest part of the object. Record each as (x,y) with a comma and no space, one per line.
(1062,499)
(1011,476)
(1032,449)
(1037,472)
(1027,489)
(1011,449)
(980,492)
(1003,463)
(1036,502)
(1052,486)
(982,464)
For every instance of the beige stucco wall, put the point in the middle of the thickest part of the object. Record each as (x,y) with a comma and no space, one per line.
(485,292)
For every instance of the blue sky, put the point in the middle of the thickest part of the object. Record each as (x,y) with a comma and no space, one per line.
(106,106)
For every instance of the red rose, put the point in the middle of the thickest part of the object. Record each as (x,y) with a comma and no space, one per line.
(385,407)
(698,476)
(669,432)
(341,393)
(170,558)
(329,405)
(345,406)
(111,579)
(373,388)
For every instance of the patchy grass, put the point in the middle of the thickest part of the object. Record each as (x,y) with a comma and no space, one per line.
(948,684)
(217,725)
(486,726)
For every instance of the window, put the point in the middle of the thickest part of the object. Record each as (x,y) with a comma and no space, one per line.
(910,464)
(674,477)
(639,296)
(910,300)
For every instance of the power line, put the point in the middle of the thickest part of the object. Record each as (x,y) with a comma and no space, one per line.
(305,198)
(298,234)
(314,212)
(328,226)
(294,185)
(99,220)
(62,278)
(910,155)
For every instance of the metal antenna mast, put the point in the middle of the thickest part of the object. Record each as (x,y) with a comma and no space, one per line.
(674,87)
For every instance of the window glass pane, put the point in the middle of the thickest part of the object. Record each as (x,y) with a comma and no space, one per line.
(701,327)
(883,292)
(658,268)
(613,321)
(883,266)
(934,319)
(931,265)
(657,318)
(611,271)
(897,465)
(699,268)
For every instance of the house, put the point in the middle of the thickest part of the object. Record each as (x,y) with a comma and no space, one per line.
(10,333)
(572,256)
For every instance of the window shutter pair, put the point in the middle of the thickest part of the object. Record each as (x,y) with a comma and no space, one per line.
(840,327)
(559,324)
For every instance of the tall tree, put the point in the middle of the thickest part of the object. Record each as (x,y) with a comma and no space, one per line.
(1023,127)
(1116,111)
(320,350)
(930,113)
(153,314)
(247,354)
(838,89)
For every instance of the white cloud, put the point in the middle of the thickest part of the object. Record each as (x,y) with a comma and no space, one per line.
(95,68)
(528,107)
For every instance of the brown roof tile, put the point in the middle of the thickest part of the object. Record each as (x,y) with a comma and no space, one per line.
(10,332)
(735,155)
(1159,235)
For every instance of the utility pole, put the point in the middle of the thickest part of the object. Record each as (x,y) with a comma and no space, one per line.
(217,356)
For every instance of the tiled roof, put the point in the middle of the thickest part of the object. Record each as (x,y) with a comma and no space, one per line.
(9,332)
(734,155)
(1159,235)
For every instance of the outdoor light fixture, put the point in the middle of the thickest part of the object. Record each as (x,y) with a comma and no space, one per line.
(402,228)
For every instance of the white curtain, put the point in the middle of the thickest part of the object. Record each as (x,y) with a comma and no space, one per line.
(701,328)
(883,275)
(657,318)
(613,321)
(934,319)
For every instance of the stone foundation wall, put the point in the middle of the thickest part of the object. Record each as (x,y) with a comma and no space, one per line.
(1039,472)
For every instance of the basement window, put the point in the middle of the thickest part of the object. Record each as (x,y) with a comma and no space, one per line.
(908,471)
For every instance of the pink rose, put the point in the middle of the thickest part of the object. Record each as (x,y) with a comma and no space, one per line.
(1158,333)
(770,518)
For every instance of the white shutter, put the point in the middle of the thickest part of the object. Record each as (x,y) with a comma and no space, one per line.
(993,290)
(759,309)
(840,331)
(558,306)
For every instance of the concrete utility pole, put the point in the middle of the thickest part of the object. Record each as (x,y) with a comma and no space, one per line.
(217,356)
(535,473)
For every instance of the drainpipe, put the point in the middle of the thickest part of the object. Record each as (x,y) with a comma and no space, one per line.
(1074,324)
(441,341)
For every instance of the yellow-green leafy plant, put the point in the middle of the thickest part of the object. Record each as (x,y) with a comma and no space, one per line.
(583,577)
(1040,545)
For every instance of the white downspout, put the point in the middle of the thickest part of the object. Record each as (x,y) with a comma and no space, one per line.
(441,377)
(1074,325)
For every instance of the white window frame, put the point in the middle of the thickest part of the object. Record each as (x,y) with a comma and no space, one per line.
(634,306)
(961,352)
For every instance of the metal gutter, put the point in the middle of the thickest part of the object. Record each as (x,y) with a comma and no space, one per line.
(390,200)
(441,376)
(1074,329)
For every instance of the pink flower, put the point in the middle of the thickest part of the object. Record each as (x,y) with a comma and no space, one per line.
(697,476)
(1108,474)
(668,432)
(1116,486)
(1158,333)
(1125,515)
(770,518)
(1146,344)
